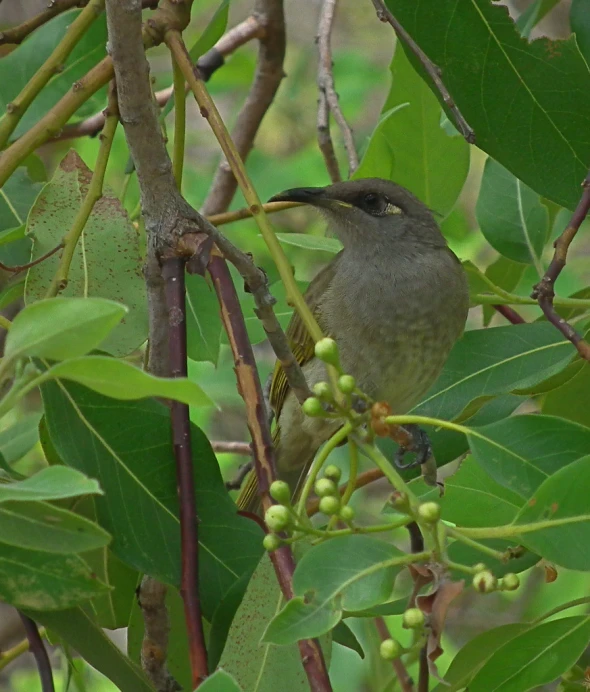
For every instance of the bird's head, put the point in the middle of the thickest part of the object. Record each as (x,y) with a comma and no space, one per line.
(370,210)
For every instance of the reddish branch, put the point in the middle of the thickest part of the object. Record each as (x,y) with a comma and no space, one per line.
(406,683)
(15,269)
(37,648)
(269,73)
(328,100)
(429,67)
(509,313)
(264,454)
(173,274)
(544,291)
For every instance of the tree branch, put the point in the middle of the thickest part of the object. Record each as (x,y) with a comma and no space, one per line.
(429,67)
(18,33)
(37,648)
(269,73)
(544,291)
(264,454)
(328,100)
(509,313)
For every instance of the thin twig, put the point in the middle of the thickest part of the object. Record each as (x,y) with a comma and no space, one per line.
(424,672)
(222,447)
(509,313)
(328,100)
(246,212)
(544,291)
(243,472)
(264,453)
(37,648)
(15,269)
(18,33)
(269,73)
(173,274)
(207,64)
(429,67)
(405,681)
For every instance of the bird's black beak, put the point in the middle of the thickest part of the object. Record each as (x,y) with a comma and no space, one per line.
(314,196)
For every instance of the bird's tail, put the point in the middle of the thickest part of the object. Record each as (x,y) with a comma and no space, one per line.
(249,499)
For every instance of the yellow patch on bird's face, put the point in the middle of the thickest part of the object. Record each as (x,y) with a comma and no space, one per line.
(340,203)
(392,209)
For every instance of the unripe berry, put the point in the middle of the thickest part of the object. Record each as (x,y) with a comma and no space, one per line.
(480,567)
(485,582)
(509,582)
(390,649)
(279,491)
(413,618)
(399,501)
(429,512)
(313,407)
(325,487)
(346,384)
(271,542)
(330,505)
(323,391)
(332,472)
(327,351)
(277,518)
(346,513)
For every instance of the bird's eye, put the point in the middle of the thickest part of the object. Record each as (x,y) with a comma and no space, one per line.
(374,203)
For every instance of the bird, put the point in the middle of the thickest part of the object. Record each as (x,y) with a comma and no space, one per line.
(395,299)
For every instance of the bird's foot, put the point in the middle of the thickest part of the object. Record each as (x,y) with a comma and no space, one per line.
(420,446)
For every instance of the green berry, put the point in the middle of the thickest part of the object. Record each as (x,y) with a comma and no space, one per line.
(330,505)
(429,512)
(390,649)
(480,567)
(485,582)
(271,542)
(327,351)
(346,384)
(413,618)
(323,391)
(277,518)
(332,472)
(399,501)
(346,513)
(279,491)
(325,487)
(313,407)
(509,582)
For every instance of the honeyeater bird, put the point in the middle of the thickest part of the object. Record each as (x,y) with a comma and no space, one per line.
(395,299)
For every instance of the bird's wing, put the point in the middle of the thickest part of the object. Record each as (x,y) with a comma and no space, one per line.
(299,339)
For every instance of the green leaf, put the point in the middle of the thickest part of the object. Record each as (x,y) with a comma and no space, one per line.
(223,618)
(41,526)
(534,657)
(40,580)
(475,653)
(422,156)
(12,292)
(220,681)
(16,198)
(20,438)
(126,446)
(521,452)
(488,362)
(565,400)
(119,379)
(52,483)
(203,321)
(212,33)
(78,628)
(343,635)
(311,242)
(563,496)
(60,328)
(99,269)
(351,573)
(30,55)
(580,23)
(254,664)
(507,89)
(112,609)
(511,216)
